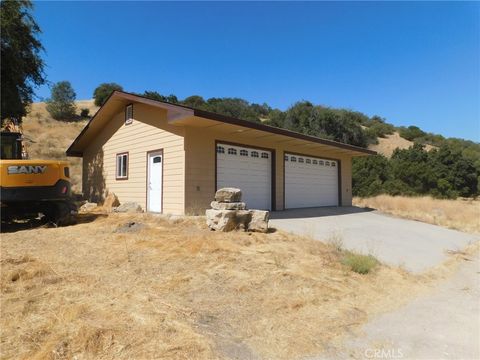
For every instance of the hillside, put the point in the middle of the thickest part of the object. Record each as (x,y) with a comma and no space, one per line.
(389,143)
(48,138)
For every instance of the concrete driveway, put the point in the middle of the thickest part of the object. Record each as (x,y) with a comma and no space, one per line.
(414,245)
(439,324)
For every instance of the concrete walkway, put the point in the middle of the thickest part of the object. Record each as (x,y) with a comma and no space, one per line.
(414,245)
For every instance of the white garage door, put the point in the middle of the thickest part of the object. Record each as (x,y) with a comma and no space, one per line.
(248,169)
(310,182)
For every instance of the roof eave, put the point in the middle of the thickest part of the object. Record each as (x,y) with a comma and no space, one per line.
(280,131)
(222,118)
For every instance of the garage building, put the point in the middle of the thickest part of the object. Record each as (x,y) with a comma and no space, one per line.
(170,158)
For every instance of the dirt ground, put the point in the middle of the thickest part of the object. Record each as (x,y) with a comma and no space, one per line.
(142,286)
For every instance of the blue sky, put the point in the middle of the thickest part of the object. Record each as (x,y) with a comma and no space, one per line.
(413,63)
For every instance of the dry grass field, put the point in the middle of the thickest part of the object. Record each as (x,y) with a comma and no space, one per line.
(460,214)
(389,143)
(170,288)
(49,138)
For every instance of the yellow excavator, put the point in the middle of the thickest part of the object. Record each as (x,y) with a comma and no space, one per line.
(31,188)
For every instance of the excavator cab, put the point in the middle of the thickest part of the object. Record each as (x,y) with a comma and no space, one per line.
(11,146)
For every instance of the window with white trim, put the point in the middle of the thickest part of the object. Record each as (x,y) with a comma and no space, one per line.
(232,151)
(314,162)
(286,157)
(254,154)
(122,166)
(308,161)
(320,162)
(243,152)
(327,163)
(293,159)
(264,155)
(220,150)
(128,114)
(300,160)
(333,164)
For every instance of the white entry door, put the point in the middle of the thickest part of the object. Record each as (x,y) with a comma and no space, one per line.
(249,170)
(154,182)
(310,181)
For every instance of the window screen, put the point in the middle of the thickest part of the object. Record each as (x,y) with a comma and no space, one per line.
(128,114)
(122,166)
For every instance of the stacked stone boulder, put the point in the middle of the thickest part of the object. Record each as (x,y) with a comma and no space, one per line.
(229,213)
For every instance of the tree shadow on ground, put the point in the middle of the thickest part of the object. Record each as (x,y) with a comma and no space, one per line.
(318,212)
(41,222)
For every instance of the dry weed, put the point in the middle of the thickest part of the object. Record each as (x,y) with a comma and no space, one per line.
(460,214)
(174,289)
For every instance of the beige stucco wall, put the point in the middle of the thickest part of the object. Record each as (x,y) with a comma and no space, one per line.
(149,131)
(200,166)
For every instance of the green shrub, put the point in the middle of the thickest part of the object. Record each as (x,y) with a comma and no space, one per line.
(372,136)
(362,264)
(411,133)
(445,172)
(61,104)
(381,129)
(84,113)
(103,91)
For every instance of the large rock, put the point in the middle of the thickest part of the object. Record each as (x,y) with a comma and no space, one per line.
(228,195)
(221,220)
(258,221)
(243,219)
(110,202)
(88,206)
(228,206)
(227,220)
(128,207)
